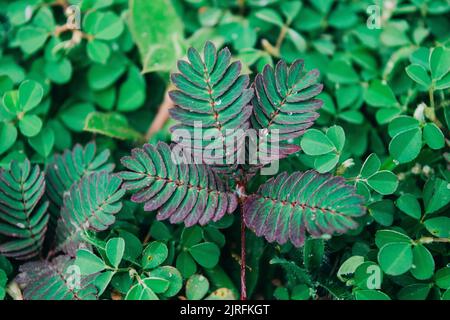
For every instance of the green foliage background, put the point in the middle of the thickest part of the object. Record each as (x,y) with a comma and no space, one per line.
(383,126)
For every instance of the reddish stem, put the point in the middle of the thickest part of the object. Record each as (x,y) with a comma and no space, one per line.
(243,264)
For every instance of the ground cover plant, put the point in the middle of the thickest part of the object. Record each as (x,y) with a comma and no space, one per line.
(228,149)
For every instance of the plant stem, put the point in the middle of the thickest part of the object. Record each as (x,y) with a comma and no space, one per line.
(431,94)
(161,117)
(243,264)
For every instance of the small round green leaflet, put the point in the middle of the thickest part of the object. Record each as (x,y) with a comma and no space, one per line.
(300,292)
(158,285)
(384,182)
(205,254)
(439,226)
(409,205)
(191,236)
(31,39)
(172,275)
(30,95)
(103,26)
(371,295)
(418,291)
(131,92)
(370,166)
(439,62)
(102,281)
(186,264)
(337,136)
(101,76)
(197,287)
(383,237)
(433,136)
(30,125)
(115,249)
(98,51)
(339,71)
(405,146)
(141,292)
(326,162)
(154,254)
(43,142)
(436,195)
(395,258)
(315,142)
(419,75)
(380,94)
(383,212)
(442,278)
(88,262)
(402,124)
(8,135)
(133,246)
(59,71)
(423,263)
(446,295)
(271,16)
(74,116)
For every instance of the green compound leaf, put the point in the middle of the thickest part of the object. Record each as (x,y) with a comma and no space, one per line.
(23,214)
(89,205)
(55,280)
(284,105)
(211,93)
(191,193)
(288,205)
(64,170)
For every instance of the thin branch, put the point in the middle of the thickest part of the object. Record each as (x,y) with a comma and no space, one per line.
(161,117)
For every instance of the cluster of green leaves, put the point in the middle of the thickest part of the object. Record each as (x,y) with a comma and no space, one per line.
(68,77)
